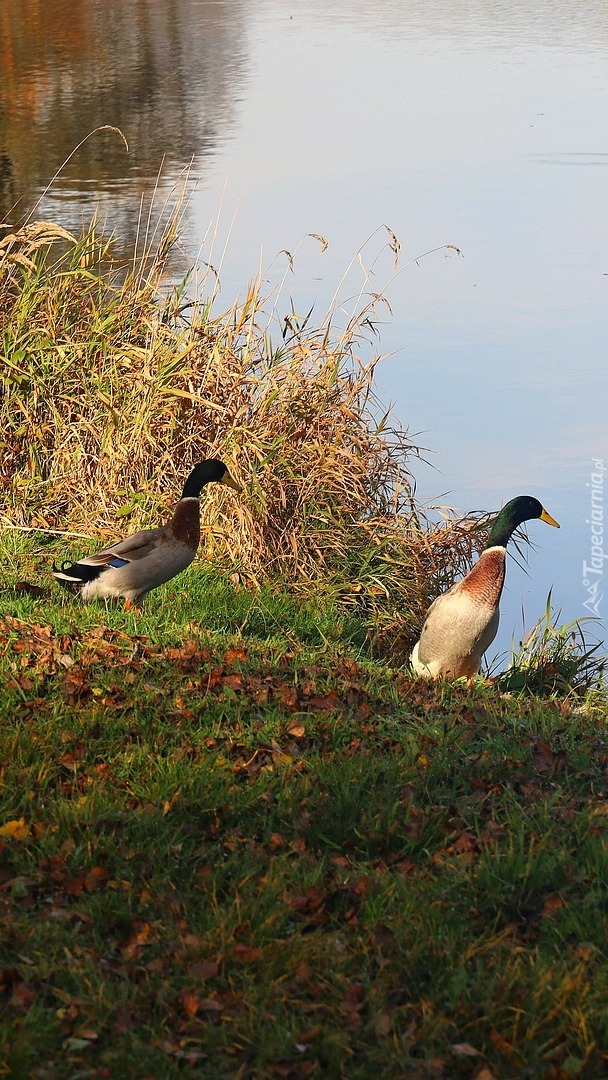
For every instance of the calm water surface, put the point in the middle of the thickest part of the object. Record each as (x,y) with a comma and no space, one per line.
(482,125)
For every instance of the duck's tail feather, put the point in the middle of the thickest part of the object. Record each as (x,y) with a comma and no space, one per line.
(74,575)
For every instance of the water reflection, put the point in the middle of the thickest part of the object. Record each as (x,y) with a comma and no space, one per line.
(166,72)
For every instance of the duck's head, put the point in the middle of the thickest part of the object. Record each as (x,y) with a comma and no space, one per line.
(207,472)
(522,508)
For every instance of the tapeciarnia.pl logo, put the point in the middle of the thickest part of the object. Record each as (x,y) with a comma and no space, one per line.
(593,571)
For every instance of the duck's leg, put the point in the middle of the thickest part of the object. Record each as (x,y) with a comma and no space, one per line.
(130,605)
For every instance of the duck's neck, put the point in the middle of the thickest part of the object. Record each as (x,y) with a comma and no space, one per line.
(501,531)
(186,522)
(194,484)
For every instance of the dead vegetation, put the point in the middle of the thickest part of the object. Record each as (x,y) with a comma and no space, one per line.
(110,393)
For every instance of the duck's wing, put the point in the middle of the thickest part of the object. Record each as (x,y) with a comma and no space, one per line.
(436,627)
(131,549)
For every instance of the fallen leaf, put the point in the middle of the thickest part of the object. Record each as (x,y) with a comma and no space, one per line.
(552,904)
(170,803)
(384,1023)
(287,696)
(543,757)
(234,654)
(143,934)
(246,954)
(325,704)
(352,1005)
(88,1033)
(207,969)
(22,996)
(464,1050)
(15,830)
(233,682)
(309,900)
(96,877)
(297,731)
(500,1043)
(190,1002)
(75,886)
(123,1020)
(210,1005)
(309,1036)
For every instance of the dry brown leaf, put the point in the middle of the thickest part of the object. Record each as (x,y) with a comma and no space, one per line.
(246,954)
(190,1002)
(297,731)
(235,654)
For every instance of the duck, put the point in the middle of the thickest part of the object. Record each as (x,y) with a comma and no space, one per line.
(132,567)
(462,623)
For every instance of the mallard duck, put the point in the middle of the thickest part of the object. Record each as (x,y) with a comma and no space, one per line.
(462,623)
(131,568)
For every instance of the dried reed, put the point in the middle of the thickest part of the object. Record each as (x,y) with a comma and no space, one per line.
(109,395)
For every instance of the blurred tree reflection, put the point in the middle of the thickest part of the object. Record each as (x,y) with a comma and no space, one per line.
(163,71)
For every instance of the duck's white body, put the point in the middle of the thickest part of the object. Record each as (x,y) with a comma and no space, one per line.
(462,623)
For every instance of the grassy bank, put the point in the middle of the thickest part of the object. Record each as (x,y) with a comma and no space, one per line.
(235,845)
(237,839)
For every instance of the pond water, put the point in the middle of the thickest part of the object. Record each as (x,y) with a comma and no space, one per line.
(476,124)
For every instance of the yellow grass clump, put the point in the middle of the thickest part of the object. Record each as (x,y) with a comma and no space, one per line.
(109,395)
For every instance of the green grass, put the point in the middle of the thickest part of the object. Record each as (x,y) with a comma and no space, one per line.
(250,849)
(557,658)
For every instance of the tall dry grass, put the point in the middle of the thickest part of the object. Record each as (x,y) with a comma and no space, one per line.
(109,394)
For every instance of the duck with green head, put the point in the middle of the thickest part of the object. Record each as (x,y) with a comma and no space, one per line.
(462,623)
(132,567)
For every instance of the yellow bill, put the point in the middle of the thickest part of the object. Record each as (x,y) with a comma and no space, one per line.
(229,482)
(545,516)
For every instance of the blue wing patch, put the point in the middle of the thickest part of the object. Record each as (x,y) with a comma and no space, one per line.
(117,562)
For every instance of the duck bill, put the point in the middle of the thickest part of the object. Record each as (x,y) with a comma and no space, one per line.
(550,520)
(229,482)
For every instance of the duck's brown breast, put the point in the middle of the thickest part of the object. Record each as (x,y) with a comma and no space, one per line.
(185,525)
(484,582)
